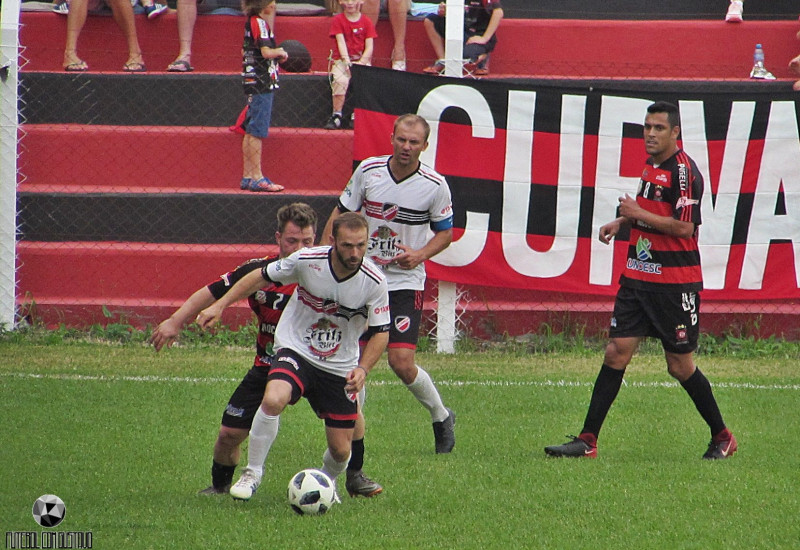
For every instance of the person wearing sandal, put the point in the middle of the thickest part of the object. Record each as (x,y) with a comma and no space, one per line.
(260,80)
(123,15)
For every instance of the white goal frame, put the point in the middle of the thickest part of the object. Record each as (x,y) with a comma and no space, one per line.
(9,132)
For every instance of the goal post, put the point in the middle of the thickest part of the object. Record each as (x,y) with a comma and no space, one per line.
(9,131)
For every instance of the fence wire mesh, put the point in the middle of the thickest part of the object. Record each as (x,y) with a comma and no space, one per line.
(128,185)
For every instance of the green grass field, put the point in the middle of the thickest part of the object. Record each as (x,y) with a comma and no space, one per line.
(124,437)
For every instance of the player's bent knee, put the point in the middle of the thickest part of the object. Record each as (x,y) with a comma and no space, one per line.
(405,372)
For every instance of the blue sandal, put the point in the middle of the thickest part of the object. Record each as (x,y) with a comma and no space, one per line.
(262,185)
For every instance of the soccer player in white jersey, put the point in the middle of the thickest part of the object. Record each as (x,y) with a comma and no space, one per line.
(403,200)
(317,342)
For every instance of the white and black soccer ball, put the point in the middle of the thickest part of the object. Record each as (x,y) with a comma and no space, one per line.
(49,510)
(311,492)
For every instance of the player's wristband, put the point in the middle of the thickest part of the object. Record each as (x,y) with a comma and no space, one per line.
(366,372)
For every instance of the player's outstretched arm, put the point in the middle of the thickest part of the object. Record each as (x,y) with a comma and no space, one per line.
(242,289)
(169,329)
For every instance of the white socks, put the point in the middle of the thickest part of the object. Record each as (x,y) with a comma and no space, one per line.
(427,394)
(262,435)
(331,467)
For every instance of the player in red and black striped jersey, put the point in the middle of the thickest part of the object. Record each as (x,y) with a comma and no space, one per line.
(658,286)
(657,260)
(296,229)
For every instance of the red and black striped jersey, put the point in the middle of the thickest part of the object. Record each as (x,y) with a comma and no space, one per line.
(656,261)
(259,75)
(267,303)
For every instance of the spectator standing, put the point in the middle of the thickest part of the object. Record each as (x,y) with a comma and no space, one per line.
(481,21)
(353,35)
(260,58)
(658,293)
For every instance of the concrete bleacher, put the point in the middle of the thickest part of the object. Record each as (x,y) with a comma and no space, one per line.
(573,48)
(152,152)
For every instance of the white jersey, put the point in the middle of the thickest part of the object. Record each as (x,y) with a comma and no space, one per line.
(325,316)
(398,212)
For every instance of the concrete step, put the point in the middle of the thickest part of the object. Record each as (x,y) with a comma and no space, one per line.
(605,48)
(175,159)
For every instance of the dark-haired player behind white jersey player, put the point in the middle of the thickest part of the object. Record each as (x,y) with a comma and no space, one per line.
(316,342)
(297,227)
(658,293)
(402,199)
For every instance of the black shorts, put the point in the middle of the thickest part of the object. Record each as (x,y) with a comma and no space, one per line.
(246,399)
(673,317)
(323,390)
(405,309)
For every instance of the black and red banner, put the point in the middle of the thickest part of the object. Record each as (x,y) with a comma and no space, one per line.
(536,168)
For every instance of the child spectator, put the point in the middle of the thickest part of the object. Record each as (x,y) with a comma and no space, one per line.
(260,58)
(481,19)
(353,35)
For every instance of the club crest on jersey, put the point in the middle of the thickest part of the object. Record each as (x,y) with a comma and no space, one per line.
(382,247)
(681,335)
(389,211)
(323,338)
(402,323)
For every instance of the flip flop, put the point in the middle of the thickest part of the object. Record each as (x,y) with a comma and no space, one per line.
(77,67)
(134,67)
(180,66)
(263,185)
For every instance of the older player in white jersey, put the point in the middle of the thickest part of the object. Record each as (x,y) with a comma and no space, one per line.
(403,199)
(317,351)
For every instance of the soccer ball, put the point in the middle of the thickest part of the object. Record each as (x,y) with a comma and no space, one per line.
(311,492)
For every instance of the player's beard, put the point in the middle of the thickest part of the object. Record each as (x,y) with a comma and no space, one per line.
(351,264)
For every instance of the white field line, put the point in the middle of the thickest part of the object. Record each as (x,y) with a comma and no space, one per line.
(374,383)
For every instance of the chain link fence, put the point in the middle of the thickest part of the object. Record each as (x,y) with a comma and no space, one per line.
(128,185)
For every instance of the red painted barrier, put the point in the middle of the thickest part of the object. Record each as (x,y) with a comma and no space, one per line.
(208,160)
(702,50)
